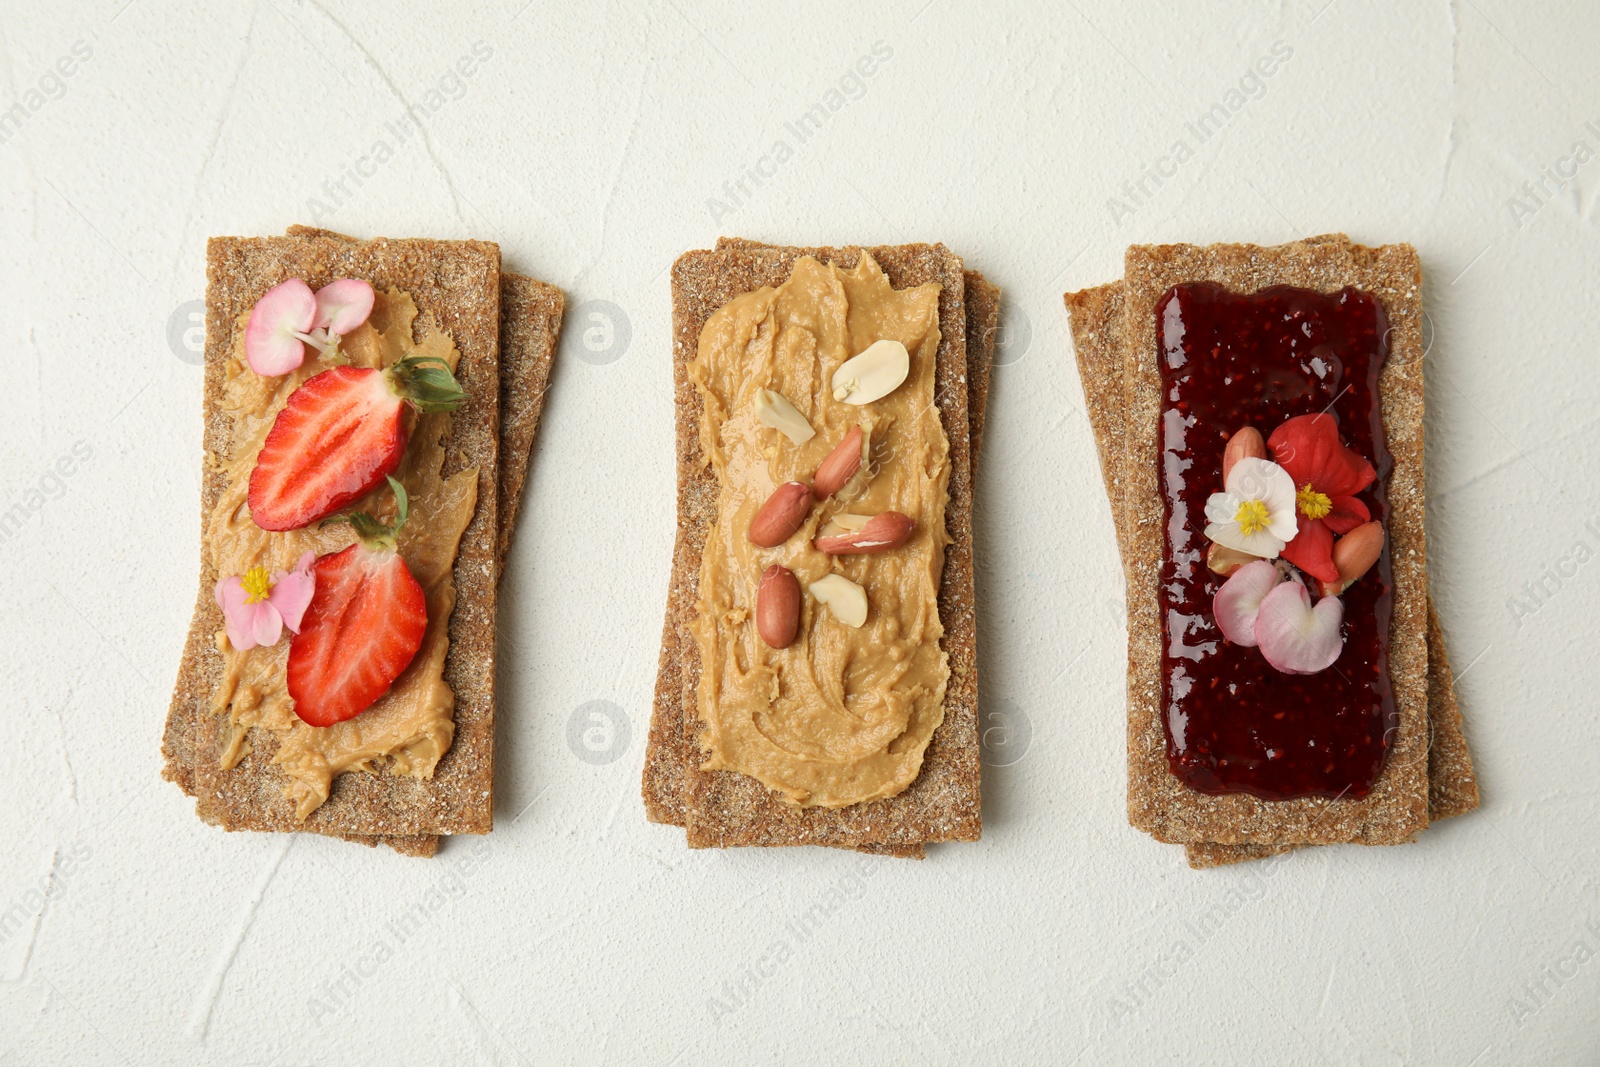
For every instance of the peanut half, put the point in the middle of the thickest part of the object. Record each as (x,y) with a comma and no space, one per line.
(1224,560)
(840,466)
(872,374)
(846,599)
(1354,554)
(881,533)
(784,512)
(778,607)
(1246,444)
(774,410)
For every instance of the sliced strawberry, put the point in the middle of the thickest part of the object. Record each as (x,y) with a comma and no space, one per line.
(364,625)
(340,434)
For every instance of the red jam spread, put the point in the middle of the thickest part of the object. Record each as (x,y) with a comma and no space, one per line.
(1228,360)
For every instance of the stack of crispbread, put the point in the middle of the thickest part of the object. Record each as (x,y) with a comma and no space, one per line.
(1428,775)
(725,808)
(505,327)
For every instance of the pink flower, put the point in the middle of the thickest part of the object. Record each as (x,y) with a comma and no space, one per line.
(1238,603)
(290,316)
(256,607)
(1258,608)
(273,337)
(1296,637)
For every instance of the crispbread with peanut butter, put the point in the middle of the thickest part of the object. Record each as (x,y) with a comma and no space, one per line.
(725,808)
(667,763)
(1101,326)
(530,318)
(455,285)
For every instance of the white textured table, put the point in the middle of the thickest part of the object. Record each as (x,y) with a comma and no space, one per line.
(595,144)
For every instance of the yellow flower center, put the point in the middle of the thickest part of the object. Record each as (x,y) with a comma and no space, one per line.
(1252,517)
(257,582)
(1312,504)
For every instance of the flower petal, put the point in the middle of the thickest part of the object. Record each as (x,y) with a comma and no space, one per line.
(1312,550)
(265,624)
(292,591)
(1284,524)
(1295,637)
(1236,604)
(270,345)
(1309,448)
(239,617)
(1263,480)
(1222,507)
(1348,513)
(343,305)
(1261,543)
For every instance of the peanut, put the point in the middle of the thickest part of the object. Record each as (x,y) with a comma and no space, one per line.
(778,607)
(840,466)
(784,512)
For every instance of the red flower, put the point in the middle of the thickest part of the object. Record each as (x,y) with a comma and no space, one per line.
(1327,475)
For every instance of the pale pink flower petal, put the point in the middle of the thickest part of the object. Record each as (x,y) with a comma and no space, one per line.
(270,345)
(292,591)
(1295,637)
(265,624)
(244,621)
(343,305)
(1237,603)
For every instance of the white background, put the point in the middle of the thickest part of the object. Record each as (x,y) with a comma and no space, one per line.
(592,145)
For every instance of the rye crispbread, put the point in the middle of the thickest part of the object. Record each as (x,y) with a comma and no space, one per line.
(1097,336)
(983,320)
(721,809)
(671,761)
(458,283)
(530,318)
(1102,327)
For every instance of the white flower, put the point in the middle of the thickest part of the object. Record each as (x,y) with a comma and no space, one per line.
(1256,513)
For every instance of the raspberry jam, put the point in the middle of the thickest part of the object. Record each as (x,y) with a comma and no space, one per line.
(1228,360)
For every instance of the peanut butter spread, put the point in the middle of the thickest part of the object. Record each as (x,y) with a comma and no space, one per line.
(410,726)
(843,714)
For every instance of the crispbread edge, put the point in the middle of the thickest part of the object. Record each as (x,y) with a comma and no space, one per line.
(726,809)
(458,283)
(1452,785)
(1396,808)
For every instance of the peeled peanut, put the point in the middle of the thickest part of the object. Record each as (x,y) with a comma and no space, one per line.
(844,598)
(778,607)
(840,466)
(881,533)
(1355,553)
(774,410)
(1246,444)
(784,512)
(872,374)
(1224,560)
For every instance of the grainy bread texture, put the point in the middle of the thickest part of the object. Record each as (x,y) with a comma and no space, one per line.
(720,809)
(530,320)
(1098,334)
(1102,330)
(530,325)
(458,283)
(1452,785)
(1396,808)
